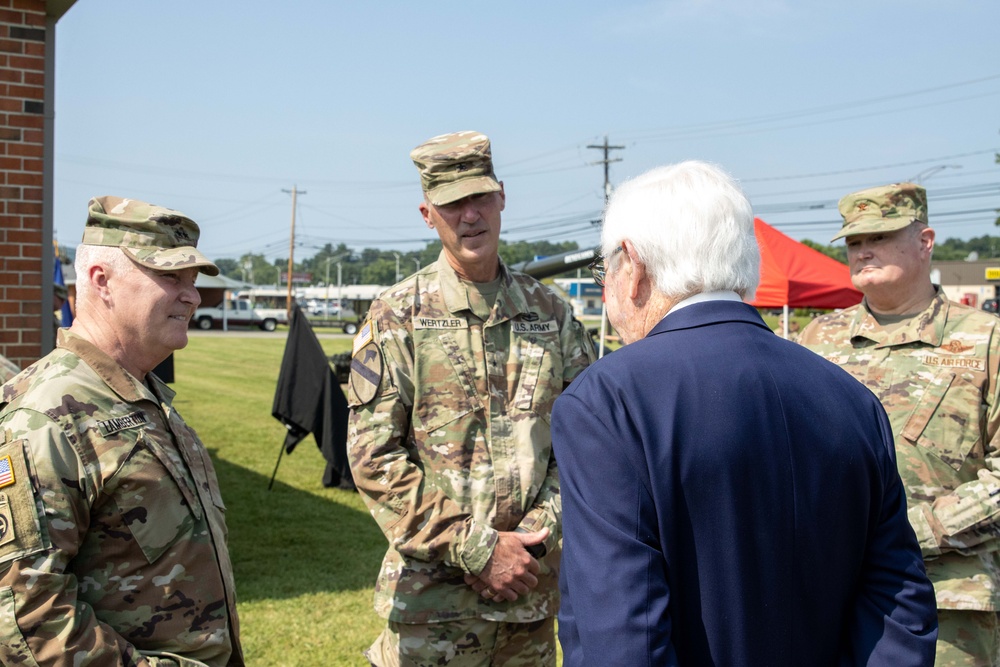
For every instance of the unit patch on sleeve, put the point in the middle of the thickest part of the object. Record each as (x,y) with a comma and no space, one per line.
(366,372)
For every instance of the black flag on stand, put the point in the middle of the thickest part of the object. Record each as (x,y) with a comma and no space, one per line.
(308,399)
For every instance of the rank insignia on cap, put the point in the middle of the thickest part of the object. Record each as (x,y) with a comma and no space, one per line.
(366,372)
(6,472)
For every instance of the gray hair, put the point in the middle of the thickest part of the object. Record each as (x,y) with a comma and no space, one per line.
(87,256)
(691,226)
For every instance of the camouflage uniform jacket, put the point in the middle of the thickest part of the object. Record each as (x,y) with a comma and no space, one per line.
(112,533)
(450,443)
(937,376)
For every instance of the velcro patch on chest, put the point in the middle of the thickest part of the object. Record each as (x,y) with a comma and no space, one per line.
(534,327)
(439,323)
(949,361)
(116,424)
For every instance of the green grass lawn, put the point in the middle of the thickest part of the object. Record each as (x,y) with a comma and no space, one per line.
(306,557)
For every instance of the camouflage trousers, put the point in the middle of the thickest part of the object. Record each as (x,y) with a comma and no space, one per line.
(465,643)
(968,638)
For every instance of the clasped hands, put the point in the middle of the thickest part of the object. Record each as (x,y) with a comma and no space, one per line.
(511,571)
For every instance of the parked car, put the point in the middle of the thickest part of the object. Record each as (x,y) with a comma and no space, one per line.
(240,312)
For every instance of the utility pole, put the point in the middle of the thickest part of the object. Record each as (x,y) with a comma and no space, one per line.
(607,163)
(291,251)
(607,195)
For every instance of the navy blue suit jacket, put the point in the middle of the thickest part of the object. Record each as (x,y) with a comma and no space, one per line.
(731,498)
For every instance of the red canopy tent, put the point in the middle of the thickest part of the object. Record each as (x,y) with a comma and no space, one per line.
(794,275)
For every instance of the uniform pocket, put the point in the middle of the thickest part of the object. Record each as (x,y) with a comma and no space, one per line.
(947,418)
(447,386)
(150,504)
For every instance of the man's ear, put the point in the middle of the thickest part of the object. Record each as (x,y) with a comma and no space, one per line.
(99,278)
(635,270)
(425,213)
(927,240)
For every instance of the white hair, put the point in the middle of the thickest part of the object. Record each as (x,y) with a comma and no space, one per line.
(110,257)
(691,226)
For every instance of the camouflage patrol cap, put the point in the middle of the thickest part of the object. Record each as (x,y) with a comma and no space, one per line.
(155,237)
(455,165)
(882,209)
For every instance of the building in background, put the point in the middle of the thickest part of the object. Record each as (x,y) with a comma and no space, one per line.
(27,102)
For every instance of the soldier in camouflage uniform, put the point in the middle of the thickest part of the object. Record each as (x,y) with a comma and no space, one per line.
(933,364)
(112,530)
(453,379)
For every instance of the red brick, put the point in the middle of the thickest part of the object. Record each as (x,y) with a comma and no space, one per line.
(31,278)
(9,192)
(8,16)
(34,78)
(12,264)
(11,46)
(25,150)
(8,104)
(10,134)
(31,307)
(10,164)
(31,336)
(34,250)
(35,63)
(23,354)
(9,337)
(10,250)
(10,75)
(29,92)
(35,49)
(29,6)
(24,293)
(32,165)
(20,178)
(21,236)
(32,194)
(34,136)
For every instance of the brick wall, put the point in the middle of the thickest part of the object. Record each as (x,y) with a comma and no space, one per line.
(22,143)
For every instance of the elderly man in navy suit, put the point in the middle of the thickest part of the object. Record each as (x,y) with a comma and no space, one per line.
(729,497)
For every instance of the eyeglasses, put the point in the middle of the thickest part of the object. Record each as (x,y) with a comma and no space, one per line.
(599,267)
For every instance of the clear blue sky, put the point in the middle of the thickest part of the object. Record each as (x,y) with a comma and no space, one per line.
(215,108)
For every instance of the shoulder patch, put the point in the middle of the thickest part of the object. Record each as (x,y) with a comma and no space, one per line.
(6,472)
(364,336)
(366,372)
(20,532)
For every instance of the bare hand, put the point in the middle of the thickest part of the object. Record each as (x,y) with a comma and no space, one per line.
(510,571)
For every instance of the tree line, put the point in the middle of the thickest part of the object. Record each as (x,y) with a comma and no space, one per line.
(370,266)
(983,247)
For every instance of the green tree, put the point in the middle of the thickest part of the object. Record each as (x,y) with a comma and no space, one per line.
(228,267)
(837,252)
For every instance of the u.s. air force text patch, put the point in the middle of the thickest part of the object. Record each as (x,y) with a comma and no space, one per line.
(115,424)
(366,372)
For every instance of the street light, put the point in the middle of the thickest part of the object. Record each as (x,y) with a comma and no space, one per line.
(397,266)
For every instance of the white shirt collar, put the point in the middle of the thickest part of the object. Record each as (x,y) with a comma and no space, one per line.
(722,295)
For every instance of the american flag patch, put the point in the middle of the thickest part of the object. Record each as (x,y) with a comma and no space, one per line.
(6,472)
